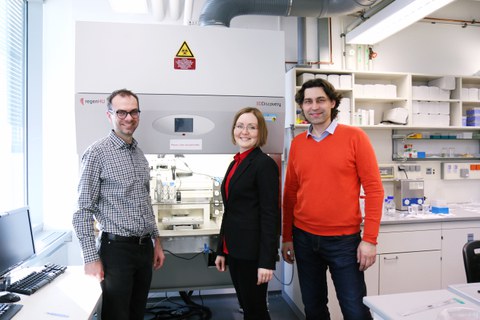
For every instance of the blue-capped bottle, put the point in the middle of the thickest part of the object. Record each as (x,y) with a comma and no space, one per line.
(390,206)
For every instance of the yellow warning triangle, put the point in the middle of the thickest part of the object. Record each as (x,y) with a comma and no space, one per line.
(184,51)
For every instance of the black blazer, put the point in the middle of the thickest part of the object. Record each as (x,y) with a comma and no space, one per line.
(251,219)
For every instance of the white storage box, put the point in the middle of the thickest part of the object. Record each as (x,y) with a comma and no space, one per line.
(345,81)
(345,105)
(443,107)
(334,79)
(444,94)
(433,93)
(369,90)
(473,94)
(391,91)
(445,83)
(359,90)
(422,119)
(304,77)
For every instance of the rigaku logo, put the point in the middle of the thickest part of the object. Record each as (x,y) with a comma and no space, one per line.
(84,101)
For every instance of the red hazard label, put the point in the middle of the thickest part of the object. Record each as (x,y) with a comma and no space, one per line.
(184,63)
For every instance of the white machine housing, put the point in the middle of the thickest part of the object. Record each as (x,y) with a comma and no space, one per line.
(183,112)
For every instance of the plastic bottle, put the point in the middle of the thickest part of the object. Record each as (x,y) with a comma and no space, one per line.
(390,206)
(385,205)
(159,188)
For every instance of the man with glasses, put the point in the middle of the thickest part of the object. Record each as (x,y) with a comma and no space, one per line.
(114,192)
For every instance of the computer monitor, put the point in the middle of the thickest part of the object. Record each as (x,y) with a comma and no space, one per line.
(16,239)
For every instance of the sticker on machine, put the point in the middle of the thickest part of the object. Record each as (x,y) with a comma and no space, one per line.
(186,144)
(270,117)
(184,59)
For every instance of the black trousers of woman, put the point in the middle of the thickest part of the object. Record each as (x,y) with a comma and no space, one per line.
(252,297)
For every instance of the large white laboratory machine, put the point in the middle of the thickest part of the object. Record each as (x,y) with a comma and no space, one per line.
(190,82)
(187,139)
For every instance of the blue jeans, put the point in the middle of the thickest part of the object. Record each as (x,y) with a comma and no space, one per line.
(314,254)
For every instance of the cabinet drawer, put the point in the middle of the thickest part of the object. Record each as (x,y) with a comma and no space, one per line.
(405,272)
(409,241)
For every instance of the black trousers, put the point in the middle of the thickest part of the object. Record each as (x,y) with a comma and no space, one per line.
(128,274)
(252,297)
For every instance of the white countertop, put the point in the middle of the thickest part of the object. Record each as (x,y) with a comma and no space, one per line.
(72,295)
(457,212)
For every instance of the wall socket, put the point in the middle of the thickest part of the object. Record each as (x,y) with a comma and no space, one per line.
(460,170)
(409,167)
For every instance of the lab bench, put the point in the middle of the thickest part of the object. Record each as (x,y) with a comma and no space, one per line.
(419,253)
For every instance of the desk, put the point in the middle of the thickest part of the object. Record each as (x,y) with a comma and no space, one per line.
(470,291)
(392,306)
(72,295)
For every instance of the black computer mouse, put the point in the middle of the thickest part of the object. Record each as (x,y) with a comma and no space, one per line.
(9,298)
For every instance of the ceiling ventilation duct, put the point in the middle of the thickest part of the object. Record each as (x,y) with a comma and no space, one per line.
(221,12)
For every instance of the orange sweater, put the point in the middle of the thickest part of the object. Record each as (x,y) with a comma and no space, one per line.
(322,185)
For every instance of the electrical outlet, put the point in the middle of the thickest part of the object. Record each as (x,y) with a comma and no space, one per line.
(430,171)
(460,170)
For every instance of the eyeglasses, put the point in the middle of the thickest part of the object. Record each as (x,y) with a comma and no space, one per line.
(122,114)
(249,127)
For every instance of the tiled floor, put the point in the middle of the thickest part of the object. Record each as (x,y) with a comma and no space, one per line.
(215,307)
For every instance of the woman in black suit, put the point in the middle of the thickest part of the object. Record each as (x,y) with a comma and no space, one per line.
(249,235)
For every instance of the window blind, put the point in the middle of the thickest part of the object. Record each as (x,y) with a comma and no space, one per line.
(12,103)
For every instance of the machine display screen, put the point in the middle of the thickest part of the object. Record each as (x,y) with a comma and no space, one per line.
(183,124)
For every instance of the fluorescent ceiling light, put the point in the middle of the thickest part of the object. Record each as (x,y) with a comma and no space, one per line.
(393,18)
(129,6)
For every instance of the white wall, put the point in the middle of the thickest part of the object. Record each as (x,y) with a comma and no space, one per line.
(435,48)
(60,164)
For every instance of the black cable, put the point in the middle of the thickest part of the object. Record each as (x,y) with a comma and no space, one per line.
(190,258)
(178,310)
(205,311)
(291,278)
(402,168)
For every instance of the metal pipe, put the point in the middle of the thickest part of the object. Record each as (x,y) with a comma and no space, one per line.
(463,23)
(367,15)
(301,41)
(221,12)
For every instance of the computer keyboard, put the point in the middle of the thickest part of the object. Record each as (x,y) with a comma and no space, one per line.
(8,310)
(37,279)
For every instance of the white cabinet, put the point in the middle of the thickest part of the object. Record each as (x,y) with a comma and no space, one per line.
(468,92)
(406,272)
(409,258)
(432,104)
(454,236)
(377,93)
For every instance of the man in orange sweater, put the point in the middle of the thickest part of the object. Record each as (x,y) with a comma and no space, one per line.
(327,166)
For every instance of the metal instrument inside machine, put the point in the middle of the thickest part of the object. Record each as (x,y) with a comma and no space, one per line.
(185,199)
